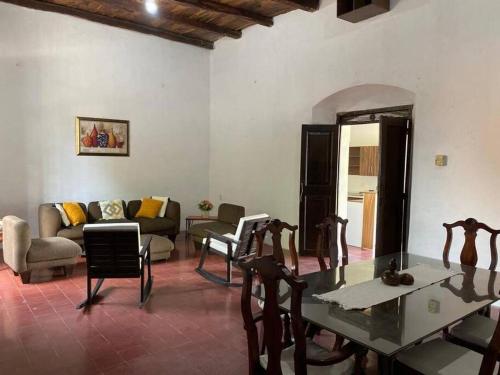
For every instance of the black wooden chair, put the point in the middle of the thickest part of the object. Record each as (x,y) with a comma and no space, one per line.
(115,251)
(304,355)
(475,331)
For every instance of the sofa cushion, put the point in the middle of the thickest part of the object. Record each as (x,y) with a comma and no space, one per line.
(132,208)
(75,213)
(198,231)
(156,225)
(95,212)
(52,248)
(72,233)
(112,209)
(160,247)
(150,208)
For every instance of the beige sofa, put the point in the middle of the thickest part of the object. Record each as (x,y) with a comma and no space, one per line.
(51,225)
(24,254)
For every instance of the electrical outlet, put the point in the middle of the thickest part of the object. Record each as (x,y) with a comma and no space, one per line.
(441,160)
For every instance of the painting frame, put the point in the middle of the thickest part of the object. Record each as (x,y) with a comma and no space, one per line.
(92,142)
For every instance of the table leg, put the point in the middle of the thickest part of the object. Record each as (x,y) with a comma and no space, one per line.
(188,224)
(385,365)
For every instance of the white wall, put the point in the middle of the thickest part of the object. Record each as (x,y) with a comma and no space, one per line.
(362,135)
(55,67)
(264,86)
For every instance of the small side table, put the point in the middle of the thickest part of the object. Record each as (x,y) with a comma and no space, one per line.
(190,219)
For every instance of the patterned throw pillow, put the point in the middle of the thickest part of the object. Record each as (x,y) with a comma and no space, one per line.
(112,210)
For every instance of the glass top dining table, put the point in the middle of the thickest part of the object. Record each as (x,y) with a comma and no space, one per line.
(392,326)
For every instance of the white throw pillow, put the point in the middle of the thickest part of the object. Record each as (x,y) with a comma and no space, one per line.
(64,217)
(163,208)
(112,210)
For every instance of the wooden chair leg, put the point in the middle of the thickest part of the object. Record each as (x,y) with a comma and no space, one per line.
(91,294)
(146,289)
(229,270)
(204,252)
(26,277)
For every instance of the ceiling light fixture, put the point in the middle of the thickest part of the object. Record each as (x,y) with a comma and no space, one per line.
(151,6)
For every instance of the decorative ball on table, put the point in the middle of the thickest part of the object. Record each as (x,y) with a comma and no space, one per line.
(205,207)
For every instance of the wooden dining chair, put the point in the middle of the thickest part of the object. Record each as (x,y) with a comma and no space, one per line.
(442,357)
(468,255)
(327,241)
(276,228)
(304,356)
(475,331)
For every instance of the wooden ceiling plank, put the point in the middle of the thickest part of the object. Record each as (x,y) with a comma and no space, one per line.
(307,5)
(225,31)
(227,9)
(117,22)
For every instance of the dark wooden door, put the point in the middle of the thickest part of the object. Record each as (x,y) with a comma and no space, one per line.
(318,180)
(392,185)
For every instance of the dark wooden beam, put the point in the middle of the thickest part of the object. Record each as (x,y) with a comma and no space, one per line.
(117,22)
(227,9)
(205,26)
(307,5)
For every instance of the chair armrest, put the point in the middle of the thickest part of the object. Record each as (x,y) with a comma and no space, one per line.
(219,237)
(49,220)
(174,212)
(145,245)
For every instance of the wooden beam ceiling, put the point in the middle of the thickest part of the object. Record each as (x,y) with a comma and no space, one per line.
(307,5)
(196,22)
(125,24)
(227,9)
(225,31)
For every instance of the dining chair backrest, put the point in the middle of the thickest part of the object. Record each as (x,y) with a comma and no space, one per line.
(245,232)
(271,273)
(112,250)
(327,241)
(468,255)
(276,227)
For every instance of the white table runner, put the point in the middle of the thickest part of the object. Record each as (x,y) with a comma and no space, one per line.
(373,292)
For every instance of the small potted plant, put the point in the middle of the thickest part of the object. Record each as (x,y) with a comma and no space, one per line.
(205,207)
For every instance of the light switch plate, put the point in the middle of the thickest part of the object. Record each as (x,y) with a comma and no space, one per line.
(441,160)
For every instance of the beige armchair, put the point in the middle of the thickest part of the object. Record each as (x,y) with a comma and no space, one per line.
(24,254)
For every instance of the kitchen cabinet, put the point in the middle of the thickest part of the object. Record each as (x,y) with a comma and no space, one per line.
(369,208)
(363,161)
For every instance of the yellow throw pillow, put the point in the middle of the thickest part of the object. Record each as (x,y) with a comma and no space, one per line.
(75,213)
(150,208)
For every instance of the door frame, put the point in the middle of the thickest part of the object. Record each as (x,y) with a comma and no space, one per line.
(370,116)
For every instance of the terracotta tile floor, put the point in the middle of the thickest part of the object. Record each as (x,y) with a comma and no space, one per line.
(189,326)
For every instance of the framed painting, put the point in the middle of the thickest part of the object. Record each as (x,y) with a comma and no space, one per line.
(99,136)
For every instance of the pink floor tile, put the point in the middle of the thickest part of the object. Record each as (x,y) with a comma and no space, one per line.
(189,326)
